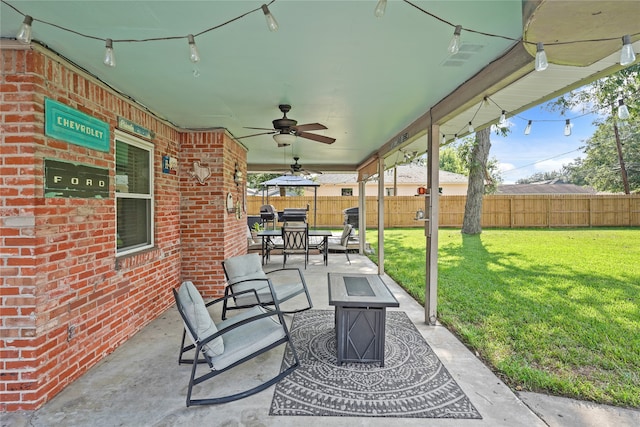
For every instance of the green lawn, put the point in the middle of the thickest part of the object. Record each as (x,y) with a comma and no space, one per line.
(554,311)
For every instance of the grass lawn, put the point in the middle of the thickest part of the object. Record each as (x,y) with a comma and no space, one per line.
(554,311)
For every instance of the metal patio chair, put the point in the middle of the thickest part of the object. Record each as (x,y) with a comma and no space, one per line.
(295,241)
(229,343)
(245,272)
(342,245)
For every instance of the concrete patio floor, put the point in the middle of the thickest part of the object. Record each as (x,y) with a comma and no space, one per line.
(141,383)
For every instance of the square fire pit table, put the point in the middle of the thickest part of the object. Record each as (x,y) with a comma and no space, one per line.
(360,301)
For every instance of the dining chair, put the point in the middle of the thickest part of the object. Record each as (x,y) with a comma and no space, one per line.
(295,241)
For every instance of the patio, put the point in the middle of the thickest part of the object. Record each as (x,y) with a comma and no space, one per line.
(141,383)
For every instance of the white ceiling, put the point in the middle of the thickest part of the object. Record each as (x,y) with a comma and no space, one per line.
(365,78)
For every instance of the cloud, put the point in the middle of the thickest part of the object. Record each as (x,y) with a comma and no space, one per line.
(552,164)
(505,167)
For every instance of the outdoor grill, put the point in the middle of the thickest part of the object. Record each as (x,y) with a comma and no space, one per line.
(351,217)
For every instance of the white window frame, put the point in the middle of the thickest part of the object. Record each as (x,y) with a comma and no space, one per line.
(147,146)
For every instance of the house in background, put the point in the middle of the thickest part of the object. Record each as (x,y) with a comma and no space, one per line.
(544,187)
(407,180)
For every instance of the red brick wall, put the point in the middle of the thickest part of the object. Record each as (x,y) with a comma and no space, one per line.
(66,300)
(210,233)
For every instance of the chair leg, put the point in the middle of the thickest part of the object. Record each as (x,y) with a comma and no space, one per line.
(346,252)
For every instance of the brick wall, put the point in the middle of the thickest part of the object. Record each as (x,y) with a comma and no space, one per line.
(208,230)
(66,300)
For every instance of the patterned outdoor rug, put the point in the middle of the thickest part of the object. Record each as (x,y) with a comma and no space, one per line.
(412,384)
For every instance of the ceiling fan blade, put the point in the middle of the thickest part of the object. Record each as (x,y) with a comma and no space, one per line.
(317,138)
(309,126)
(256,134)
(260,128)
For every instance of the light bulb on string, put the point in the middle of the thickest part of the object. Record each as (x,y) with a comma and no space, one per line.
(24,34)
(471,129)
(444,138)
(503,119)
(454,44)
(380,8)
(527,130)
(627,56)
(623,111)
(541,58)
(567,128)
(194,56)
(272,24)
(109,55)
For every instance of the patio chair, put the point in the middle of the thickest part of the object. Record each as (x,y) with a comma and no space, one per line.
(342,245)
(295,241)
(229,343)
(245,272)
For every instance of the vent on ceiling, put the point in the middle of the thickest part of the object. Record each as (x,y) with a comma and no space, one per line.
(466,52)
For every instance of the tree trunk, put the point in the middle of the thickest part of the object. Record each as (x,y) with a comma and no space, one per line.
(475,190)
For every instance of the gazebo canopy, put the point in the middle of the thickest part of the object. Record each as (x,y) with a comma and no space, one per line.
(293,181)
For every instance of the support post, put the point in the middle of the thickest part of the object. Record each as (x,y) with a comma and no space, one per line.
(432,208)
(380,216)
(362,216)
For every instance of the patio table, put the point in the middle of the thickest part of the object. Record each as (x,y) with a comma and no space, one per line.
(266,236)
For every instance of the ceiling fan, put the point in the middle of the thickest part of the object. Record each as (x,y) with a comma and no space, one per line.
(285,130)
(297,169)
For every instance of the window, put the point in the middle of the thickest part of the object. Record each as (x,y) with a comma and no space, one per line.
(134,194)
(347,191)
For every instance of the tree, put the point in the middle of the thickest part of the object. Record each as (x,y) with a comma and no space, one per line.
(601,167)
(451,160)
(456,158)
(543,176)
(477,173)
(605,96)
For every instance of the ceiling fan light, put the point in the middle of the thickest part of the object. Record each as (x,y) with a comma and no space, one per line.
(284,139)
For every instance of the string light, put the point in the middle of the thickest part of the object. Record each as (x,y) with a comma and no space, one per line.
(623,114)
(380,8)
(454,44)
(541,63)
(470,128)
(109,56)
(194,56)
(272,24)
(623,111)
(627,56)
(24,34)
(503,119)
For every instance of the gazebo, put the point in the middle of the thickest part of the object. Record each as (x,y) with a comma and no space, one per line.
(291,181)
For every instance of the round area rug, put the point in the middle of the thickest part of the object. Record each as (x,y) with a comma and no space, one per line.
(413,382)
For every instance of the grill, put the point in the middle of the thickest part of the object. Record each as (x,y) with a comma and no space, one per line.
(351,217)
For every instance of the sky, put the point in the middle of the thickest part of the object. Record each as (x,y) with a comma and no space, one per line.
(546,148)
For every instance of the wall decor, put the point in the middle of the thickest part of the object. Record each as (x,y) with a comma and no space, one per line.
(201,173)
(64,179)
(169,165)
(68,124)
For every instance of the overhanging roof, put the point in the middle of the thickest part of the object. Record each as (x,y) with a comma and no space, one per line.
(375,83)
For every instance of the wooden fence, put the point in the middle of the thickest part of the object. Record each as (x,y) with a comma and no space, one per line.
(500,211)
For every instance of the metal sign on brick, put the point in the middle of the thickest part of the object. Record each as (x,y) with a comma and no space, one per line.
(63,179)
(131,127)
(71,125)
